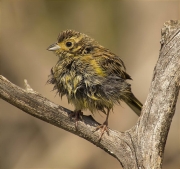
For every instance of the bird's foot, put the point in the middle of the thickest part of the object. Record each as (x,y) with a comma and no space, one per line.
(103,128)
(77,115)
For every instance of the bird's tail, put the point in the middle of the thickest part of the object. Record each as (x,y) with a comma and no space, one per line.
(134,104)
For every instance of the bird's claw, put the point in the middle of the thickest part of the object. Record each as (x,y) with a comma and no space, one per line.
(77,115)
(103,127)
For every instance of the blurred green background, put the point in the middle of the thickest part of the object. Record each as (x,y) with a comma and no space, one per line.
(131,29)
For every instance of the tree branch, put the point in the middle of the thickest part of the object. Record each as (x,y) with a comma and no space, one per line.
(143,145)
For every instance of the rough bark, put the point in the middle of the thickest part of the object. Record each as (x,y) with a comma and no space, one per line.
(143,145)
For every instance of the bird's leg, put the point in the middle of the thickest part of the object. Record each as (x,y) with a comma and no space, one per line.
(77,115)
(103,127)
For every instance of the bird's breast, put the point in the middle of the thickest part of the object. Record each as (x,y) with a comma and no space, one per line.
(67,76)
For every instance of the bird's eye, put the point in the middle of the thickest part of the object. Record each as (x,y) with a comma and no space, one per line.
(68,44)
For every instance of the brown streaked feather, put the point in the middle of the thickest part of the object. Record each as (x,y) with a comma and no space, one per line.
(67,34)
(111,63)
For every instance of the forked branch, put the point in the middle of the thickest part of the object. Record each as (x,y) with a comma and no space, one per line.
(143,145)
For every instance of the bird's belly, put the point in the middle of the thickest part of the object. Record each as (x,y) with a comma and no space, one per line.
(90,92)
(85,95)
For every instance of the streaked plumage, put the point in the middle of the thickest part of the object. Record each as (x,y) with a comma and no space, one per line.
(91,76)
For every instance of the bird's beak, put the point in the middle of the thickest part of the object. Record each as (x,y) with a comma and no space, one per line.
(53,47)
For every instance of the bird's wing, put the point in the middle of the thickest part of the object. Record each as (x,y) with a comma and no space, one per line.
(111,64)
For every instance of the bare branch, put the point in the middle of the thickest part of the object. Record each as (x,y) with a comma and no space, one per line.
(159,108)
(40,107)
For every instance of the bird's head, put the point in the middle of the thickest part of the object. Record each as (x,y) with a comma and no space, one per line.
(73,43)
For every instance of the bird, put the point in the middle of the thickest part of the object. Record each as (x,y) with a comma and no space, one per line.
(90,76)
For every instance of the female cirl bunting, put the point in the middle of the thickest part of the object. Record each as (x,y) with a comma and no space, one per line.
(90,75)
